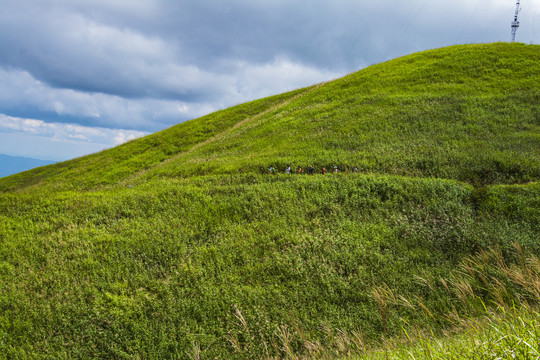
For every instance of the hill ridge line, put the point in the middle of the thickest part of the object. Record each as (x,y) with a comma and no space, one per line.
(140,173)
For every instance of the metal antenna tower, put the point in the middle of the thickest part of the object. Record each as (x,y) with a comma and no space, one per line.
(515,23)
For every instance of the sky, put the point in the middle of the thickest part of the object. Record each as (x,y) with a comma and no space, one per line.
(80,76)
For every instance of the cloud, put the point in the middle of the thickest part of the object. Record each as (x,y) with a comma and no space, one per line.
(122,137)
(19,91)
(55,137)
(148,64)
(82,55)
(180,50)
(282,74)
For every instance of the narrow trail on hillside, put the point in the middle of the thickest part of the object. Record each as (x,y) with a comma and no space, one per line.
(219,136)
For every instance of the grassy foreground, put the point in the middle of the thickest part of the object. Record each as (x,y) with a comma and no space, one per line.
(180,245)
(155,270)
(501,320)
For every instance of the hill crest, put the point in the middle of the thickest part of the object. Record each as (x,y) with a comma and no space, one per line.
(467,112)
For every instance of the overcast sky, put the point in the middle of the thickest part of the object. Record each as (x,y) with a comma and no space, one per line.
(79,76)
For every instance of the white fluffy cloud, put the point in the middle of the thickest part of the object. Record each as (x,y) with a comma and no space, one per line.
(281,74)
(23,137)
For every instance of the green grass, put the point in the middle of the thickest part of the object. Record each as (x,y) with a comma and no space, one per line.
(206,255)
(501,320)
(503,334)
(468,112)
(153,270)
(116,164)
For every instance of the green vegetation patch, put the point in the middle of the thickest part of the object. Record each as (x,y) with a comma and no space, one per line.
(469,113)
(120,163)
(229,264)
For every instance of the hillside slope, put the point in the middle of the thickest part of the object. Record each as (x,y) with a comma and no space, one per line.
(209,256)
(113,165)
(470,113)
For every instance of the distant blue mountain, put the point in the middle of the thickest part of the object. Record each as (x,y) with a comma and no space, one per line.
(10,165)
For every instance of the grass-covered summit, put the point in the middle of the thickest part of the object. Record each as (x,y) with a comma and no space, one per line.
(470,113)
(206,255)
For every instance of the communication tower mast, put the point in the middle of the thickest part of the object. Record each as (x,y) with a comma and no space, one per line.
(515,23)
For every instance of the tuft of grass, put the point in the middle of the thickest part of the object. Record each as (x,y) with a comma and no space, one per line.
(502,323)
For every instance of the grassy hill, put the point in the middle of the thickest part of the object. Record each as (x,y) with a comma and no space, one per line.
(208,255)
(469,113)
